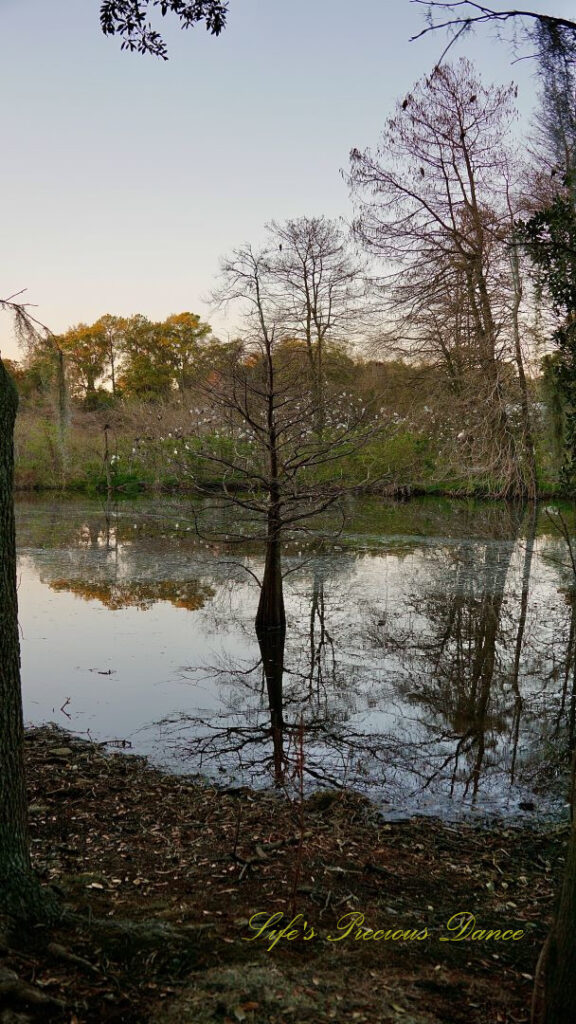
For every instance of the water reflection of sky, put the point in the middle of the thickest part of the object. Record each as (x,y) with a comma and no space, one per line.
(418,671)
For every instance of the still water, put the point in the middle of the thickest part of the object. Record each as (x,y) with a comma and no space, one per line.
(430,657)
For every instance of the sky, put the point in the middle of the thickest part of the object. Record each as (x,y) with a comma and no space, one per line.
(125,179)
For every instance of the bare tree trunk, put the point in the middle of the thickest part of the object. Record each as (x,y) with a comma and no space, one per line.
(62,415)
(555,980)
(271,614)
(530,455)
(17,884)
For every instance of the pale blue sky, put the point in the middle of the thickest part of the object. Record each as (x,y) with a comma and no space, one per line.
(124,179)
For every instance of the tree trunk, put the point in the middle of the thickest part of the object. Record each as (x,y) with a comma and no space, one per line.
(555,980)
(271,614)
(17,884)
(62,415)
(531,483)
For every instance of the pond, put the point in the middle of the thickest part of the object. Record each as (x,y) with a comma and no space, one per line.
(430,655)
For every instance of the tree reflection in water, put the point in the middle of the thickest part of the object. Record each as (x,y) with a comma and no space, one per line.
(431,671)
(463,649)
(300,686)
(188,594)
(458,670)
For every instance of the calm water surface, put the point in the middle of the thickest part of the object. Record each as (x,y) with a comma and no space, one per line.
(430,659)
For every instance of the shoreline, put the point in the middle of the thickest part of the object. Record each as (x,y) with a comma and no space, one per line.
(177,869)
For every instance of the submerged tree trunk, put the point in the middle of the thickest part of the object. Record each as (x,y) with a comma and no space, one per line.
(271,614)
(17,885)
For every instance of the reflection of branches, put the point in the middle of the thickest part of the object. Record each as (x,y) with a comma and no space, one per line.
(223,740)
(453,659)
(559,523)
(394,699)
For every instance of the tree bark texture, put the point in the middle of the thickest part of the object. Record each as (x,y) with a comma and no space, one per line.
(555,981)
(16,879)
(271,613)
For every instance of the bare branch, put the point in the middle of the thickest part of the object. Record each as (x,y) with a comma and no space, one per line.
(474,14)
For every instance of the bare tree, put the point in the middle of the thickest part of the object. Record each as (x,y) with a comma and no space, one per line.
(321,289)
(277,469)
(432,202)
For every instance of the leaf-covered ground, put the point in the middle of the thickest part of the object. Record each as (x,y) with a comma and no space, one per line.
(161,877)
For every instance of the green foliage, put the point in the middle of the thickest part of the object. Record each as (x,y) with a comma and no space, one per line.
(403,458)
(549,237)
(85,354)
(128,20)
(132,356)
(100,398)
(161,357)
(38,454)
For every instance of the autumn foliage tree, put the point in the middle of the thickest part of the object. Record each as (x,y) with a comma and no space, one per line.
(158,358)
(86,351)
(185,338)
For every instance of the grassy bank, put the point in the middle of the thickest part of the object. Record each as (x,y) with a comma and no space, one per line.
(140,442)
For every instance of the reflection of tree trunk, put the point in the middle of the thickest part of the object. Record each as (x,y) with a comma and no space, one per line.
(318,643)
(473,626)
(482,678)
(572,720)
(482,698)
(526,570)
(569,663)
(485,661)
(16,879)
(271,643)
(554,996)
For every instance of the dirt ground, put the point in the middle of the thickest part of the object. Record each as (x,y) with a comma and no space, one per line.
(163,877)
